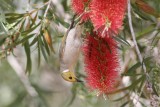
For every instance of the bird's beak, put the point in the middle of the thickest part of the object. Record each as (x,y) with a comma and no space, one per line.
(78,80)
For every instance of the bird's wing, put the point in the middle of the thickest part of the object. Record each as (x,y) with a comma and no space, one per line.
(63,43)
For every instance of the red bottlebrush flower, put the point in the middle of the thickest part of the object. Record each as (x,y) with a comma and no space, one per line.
(101,63)
(107,15)
(80,7)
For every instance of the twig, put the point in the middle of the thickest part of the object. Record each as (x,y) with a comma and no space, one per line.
(136,46)
(134,40)
(21,74)
(153,96)
(28,6)
(46,11)
(155,32)
(35,10)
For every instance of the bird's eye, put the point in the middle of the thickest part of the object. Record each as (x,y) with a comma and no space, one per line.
(70,77)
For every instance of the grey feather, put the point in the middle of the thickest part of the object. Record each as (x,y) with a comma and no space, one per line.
(70,48)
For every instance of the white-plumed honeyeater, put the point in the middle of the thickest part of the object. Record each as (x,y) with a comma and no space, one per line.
(69,52)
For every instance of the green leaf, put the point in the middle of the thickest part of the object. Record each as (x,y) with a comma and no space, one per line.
(154,90)
(17,22)
(34,41)
(19,42)
(28,54)
(141,14)
(34,19)
(145,31)
(39,54)
(5,29)
(121,40)
(30,30)
(26,38)
(46,45)
(124,104)
(155,39)
(121,98)
(13,17)
(141,85)
(155,42)
(130,87)
(22,25)
(136,82)
(132,71)
(61,21)
(48,41)
(42,48)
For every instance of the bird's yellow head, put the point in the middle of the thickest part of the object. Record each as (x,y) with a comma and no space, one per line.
(69,76)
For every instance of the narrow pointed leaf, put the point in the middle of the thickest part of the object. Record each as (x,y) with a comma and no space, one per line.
(121,98)
(133,85)
(30,30)
(34,41)
(48,40)
(39,54)
(34,19)
(147,8)
(28,54)
(24,39)
(42,48)
(121,40)
(46,46)
(145,31)
(124,104)
(28,25)
(132,70)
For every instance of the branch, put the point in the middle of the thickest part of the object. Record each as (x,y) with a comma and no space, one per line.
(138,52)
(28,6)
(153,97)
(46,11)
(134,40)
(22,76)
(156,29)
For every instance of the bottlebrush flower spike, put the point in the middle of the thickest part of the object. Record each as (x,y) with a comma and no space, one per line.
(107,15)
(101,63)
(81,8)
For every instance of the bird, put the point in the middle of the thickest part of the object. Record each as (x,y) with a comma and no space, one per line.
(69,52)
